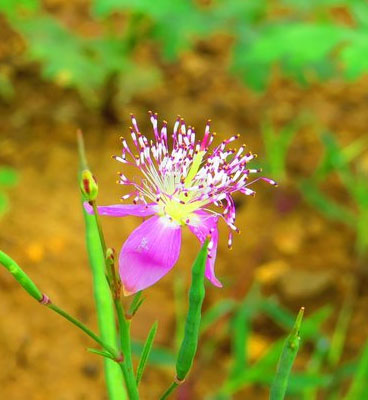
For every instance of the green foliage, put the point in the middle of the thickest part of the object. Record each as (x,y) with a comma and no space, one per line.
(353,179)
(287,357)
(359,387)
(8,178)
(324,375)
(276,146)
(146,352)
(306,43)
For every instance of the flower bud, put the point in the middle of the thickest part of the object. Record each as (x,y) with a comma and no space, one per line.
(110,255)
(89,186)
(22,278)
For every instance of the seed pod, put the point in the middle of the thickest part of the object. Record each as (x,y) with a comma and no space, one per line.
(20,276)
(88,185)
(189,345)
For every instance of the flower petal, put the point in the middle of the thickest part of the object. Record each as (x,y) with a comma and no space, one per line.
(122,210)
(202,225)
(149,253)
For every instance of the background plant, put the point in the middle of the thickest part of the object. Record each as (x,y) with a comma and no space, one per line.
(353,178)
(8,178)
(105,66)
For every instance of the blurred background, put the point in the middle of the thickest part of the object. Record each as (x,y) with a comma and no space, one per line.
(291,77)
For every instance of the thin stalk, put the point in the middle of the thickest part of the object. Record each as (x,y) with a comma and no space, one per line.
(99,227)
(168,392)
(125,343)
(84,328)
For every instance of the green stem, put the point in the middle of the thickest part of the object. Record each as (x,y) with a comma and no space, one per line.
(99,227)
(124,323)
(125,343)
(168,392)
(102,294)
(84,328)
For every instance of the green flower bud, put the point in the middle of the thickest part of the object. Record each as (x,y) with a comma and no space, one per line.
(89,185)
(20,276)
(110,255)
(189,344)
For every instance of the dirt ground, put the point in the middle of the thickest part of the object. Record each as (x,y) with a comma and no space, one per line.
(42,357)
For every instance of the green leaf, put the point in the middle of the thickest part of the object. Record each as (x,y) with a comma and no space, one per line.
(241,329)
(282,43)
(277,145)
(310,329)
(4,204)
(158,356)
(8,176)
(69,59)
(146,351)
(102,353)
(289,352)
(262,371)
(352,55)
(326,206)
(359,386)
(17,8)
(136,303)
(216,312)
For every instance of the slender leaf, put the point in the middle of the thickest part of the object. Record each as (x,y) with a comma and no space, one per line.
(289,352)
(146,351)
(359,386)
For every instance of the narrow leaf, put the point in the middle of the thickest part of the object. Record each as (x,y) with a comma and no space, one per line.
(136,303)
(159,356)
(146,352)
(288,354)
(359,387)
(100,353)
(241,328)
(216,312)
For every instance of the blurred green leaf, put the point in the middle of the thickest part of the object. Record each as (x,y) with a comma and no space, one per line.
(352,55)
(70,60)
(326,206)
(158,356)
(4,204)
(8,176)
(282,43)
(277,145)
(15,8)
(216,312)
(241,330)
(359,386)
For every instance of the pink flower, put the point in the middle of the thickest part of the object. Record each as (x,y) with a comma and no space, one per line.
(177,188)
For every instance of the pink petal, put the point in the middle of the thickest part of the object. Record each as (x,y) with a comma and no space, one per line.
(149,253)
(122,210)
(202,225)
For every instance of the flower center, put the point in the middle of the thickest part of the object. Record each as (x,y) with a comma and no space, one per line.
(180,211)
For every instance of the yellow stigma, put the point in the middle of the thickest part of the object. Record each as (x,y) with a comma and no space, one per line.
(181,211)
(178,212)
(197,159)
